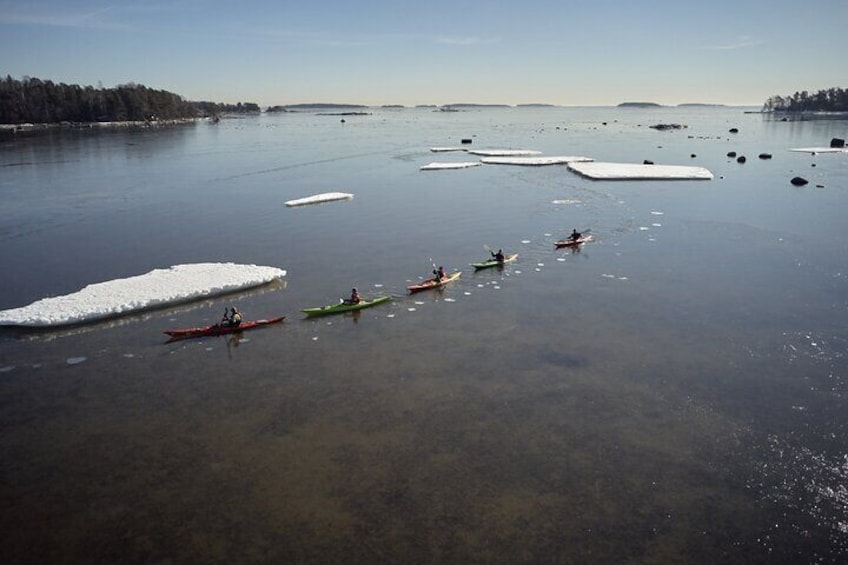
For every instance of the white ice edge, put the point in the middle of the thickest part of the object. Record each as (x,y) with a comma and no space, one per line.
(446,149)
(534,161)
(318,198)
(632,171)
(504,152)
(460,165)
(160,287)
(820,149)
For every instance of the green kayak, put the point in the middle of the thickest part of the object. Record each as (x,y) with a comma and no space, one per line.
(509,258)
(343,307)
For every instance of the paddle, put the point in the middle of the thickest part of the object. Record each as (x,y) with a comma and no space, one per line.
(435,270)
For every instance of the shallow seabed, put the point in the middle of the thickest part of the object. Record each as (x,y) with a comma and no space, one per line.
(673,392)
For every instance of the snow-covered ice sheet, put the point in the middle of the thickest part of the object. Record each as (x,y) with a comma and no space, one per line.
(318,198)
(534,161)
(180,283)
(504,152)
(458,165)
(632,171)
(820,149)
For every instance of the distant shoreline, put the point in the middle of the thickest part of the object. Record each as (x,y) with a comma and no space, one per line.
(30,127)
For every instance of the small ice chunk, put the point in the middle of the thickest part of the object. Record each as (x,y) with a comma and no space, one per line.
(319,198)
(444,166)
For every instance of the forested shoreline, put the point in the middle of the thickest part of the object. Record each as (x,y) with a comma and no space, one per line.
(828,100)
(36,101)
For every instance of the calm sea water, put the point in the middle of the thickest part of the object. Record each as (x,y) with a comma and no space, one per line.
(674,392)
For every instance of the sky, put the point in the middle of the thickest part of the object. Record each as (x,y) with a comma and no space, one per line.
(376,52)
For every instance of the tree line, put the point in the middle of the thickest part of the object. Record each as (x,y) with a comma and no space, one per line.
(828,100)
(33,100)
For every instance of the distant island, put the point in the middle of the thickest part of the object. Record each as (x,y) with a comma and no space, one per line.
(37,101)
(639,105)
(829,100)
(471,105)
(322,106)
(535,105)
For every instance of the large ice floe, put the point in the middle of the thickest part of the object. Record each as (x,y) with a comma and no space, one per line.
(160,287)
(632,171)
(319,198)
(504,152)
(533,161)
(820,149)
(457,165)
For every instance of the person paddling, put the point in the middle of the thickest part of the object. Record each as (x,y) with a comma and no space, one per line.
(440,274)
(499,256)
(232,319)
(575,235)
(354,298)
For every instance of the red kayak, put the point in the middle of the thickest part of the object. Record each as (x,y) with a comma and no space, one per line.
(219,329)
(433,283)
(572,242)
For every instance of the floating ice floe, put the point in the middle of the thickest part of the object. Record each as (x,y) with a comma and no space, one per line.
(566,201)
(180,283)
(632,171)
(504,152)
(458,165)
(319,198)
(446,149)
(820,149)
(533,161)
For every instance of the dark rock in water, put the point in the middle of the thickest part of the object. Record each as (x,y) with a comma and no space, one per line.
(741,159)
(647,162)
(466,141)
(765,155)
(819,186)
(798,181)
(731,154)
(661,127)
(693,155)
(734,130)
(837,143)
(813,165)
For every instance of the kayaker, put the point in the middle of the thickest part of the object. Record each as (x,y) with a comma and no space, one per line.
(575,235)
(235,317)
(354,297)
(499,256)
(440,274)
